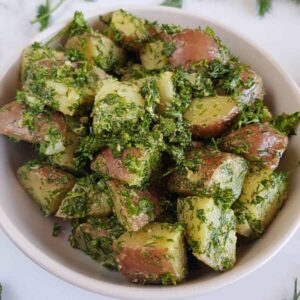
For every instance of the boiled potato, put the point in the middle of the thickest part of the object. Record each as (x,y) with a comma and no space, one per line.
(88,197)
(129,29)
(258,143)
(263,194)
(99,49)
(166,91)
(211,116)
(210,231)
(11,123)
(253,89)
(154,254)
(96,237)
(117,105)
(134,207)
(210,170)
(46,184)
(193,46)
(134,166)
(152,55)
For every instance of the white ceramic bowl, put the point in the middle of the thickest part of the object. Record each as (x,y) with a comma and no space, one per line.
(23,223)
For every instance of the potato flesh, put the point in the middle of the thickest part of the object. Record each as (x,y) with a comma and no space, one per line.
(85,199)
(166,91)
(210,231)
(123,97)
(212,169)
(96,238)
(152,56)
(211,116)
(99,49)
(134,208)
(154,254)
(47,185)
(263,194)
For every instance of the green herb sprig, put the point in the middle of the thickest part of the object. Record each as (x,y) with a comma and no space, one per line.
(173,3)
(44,13)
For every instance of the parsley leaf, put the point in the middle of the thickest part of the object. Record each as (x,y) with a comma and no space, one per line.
(286,123)
(56,229)
(44,13)
(173,3)
(263,6)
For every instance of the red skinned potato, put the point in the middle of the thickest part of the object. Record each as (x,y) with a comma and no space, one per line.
(133,167)
(211,116)
(193,46)
(154,254)
(11,123)
(257,143)
(134,207)
(253,87)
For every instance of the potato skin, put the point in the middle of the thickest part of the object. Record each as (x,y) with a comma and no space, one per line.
(221,111)
(47,185)
(209,168)
(145,161)
(134,207)
(154,254)
(11,118)
(258,143)
(193,46)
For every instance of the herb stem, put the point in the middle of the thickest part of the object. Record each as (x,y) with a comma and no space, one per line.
(50,11)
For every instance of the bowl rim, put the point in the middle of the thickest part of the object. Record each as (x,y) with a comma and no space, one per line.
(135,292)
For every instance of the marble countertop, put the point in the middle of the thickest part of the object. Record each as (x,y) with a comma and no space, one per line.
(278,33)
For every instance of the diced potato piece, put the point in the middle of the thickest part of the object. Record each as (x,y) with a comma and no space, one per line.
(47,185)
(152,55)
(96,237)
(193,46)
(89,197)
(68,98)
(253,87)
(134,208)
(166,91)
(128,28)
(263,194)
(11,119)
(66,159)
(257,142)
(154,254)
(38,55)
(99,49)
(133,167)
(210,231)
(117,105)
(210,170)
(211,116)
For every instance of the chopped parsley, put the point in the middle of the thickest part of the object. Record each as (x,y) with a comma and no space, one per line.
(57,229)
(286,123)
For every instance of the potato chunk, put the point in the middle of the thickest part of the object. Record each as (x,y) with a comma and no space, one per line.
(134,208)
(96,237)
(154,254)
(117,105)
(257,142)
(90,196)
(129,29)
(99,49)
(193,46)
(153,56)
(210,231)
(209,170)
(12,116)
(134,166)
(47,185)
(211,116)
(263,194)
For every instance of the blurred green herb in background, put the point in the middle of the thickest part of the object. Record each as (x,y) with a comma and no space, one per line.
(0,291)
(173,3)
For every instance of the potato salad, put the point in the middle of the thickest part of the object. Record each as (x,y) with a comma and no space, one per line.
(153,141)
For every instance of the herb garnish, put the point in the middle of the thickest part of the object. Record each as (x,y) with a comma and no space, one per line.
(56,229)
(286,123)
(44,13)
(173,3)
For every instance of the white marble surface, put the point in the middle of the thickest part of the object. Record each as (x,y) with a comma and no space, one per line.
(278,33)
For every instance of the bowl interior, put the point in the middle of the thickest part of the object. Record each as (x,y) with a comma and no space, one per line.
(25,225)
